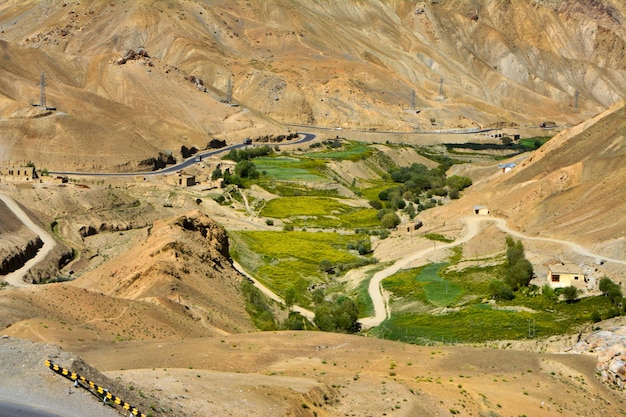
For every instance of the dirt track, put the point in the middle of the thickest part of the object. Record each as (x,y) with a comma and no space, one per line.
(471,229)
(15,277)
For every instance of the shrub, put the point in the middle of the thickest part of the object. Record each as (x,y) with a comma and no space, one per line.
(548,292)
(570,293)
(375,204)
(327,266)
(217,173)
(269,222)
(390,220)
(500,290)
(364,247)
(611,290)
(595,316)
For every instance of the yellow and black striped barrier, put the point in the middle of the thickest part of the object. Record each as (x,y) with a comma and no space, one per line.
(92,386)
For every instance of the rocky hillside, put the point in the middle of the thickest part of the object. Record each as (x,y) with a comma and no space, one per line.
(571,188)
(177,282)
(147,77)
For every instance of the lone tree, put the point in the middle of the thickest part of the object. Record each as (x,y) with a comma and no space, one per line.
(520,270)
(611,290)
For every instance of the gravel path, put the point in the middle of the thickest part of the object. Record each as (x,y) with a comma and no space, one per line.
(471,229)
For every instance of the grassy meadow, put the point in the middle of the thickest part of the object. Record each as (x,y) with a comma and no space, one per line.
(431,304)
(468,315)
(320,212)
(292,259)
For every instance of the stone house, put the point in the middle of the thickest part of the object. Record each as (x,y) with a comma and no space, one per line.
(561,275)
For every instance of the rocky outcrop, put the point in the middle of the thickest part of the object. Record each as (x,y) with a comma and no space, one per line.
(610,346)
(130,55)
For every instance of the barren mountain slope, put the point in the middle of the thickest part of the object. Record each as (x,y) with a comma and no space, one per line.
(571,188)
(349,63)
(176,283)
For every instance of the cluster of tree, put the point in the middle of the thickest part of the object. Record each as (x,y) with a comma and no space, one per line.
(418,186)
(238,155)
(339,315)
(187,152)
(518,273)
(243,169)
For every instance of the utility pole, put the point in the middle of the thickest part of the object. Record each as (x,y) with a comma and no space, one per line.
(412,99)
(576,94)
(229,92)
(441,86)
(42,97)
(531,328)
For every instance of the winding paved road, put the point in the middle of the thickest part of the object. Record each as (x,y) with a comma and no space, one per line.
(15,278)
(12,409)
(305,137)
(471,229)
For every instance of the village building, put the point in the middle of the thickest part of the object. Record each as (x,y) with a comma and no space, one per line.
(561,275)
(482,210)
(18,173)
(181,179)
(507,167)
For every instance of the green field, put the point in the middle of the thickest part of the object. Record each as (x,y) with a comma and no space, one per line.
(320,212)
(531,144)
(467,317)
(371,193)
(284,259)
(423,284)
(291,169)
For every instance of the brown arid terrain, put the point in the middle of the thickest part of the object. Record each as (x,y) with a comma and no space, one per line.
(144,78)
(151,304)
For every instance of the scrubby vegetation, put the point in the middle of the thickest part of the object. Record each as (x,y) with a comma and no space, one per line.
(488,303)
(418,185)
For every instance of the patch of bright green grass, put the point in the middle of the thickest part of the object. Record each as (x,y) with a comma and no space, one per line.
(280,259)
(281,208)
(477,323)
(471,320)
(437,237)
(423,284)
(530,144)
(320,212)
(291,169)
(371,193)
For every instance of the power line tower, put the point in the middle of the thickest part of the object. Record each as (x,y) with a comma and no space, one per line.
(42,96)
